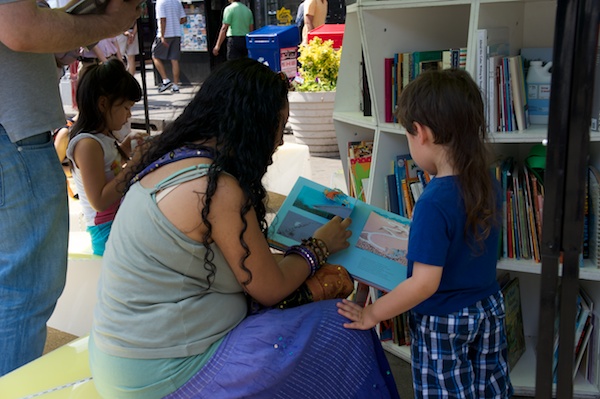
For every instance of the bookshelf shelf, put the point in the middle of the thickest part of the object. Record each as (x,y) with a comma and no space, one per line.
(379,29)
(355,118)
(586,272)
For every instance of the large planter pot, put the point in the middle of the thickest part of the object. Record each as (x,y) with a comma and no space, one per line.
(311,120)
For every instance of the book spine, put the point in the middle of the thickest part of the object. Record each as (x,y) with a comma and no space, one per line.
(455,58)
(481,60)
(366,93)
(462,58)
(393,194)
(407,198)
(388,66)
(395,84)
(406,66)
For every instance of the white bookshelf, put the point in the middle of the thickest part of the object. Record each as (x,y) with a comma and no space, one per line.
(381,28)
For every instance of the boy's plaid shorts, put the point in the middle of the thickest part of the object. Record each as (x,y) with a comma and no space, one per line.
(463,354)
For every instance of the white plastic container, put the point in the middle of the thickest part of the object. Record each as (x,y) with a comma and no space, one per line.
(538,91)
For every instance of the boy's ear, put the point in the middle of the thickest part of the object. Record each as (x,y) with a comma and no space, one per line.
(423,132)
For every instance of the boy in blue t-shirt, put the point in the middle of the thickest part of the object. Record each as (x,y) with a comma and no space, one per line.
(458,337)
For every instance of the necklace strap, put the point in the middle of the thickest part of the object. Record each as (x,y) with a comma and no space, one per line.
(174,156)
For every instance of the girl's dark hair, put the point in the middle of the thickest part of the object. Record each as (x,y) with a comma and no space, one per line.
(109,79)
(238,107)
(450,104)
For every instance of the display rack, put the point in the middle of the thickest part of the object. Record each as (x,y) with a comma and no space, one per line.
(380,28)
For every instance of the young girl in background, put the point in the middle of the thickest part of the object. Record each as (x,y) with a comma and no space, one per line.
(105,94)
(457,310)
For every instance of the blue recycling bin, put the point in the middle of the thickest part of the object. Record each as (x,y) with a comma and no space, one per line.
(276,47)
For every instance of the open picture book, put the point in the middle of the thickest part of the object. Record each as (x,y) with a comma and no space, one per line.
(379,241)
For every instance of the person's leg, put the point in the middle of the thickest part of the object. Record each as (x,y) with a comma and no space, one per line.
(99,235)
(292,353)
(175,66)
(440,355)
(489,353)
(160,67)
(160,53)
(236,48)
(33,245)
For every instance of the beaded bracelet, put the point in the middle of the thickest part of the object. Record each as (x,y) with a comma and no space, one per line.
(319,247)
(307,254)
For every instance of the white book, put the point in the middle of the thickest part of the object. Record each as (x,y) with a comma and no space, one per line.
(490,42)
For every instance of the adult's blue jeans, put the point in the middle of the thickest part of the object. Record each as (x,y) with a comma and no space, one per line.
(34,232)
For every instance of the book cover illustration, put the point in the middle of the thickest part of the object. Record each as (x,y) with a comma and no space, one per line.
(379,241)
(359,161)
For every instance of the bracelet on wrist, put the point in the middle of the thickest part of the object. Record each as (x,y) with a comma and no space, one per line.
(308,255)
(319,247)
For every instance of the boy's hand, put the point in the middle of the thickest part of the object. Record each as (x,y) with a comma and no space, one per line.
(361,317)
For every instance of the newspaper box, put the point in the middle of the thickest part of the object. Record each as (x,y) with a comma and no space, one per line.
(333,32)
(275,46)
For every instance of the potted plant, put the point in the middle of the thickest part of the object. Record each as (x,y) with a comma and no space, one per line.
(312,97)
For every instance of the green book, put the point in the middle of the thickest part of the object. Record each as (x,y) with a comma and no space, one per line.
(426,60)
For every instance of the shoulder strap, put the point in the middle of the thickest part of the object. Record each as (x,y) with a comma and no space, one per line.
(173,156)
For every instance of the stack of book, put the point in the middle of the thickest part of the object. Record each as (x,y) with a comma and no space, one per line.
(405,184)
(501,78)
(523,201)
(402,68)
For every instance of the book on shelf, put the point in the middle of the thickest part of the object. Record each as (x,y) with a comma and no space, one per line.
(508,100)
(521,211)
(490,42)
(462,58)
(515,335)
(388,88)
(366,107)
(396,83)
(407,69)
(583,330)
(534,237)
(518,92)
(493,95)
(392,192)
(377,252)
(359,167)
(426,60)
(410,183)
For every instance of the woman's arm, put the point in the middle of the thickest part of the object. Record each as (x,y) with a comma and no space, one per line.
(67,31)
(271,281)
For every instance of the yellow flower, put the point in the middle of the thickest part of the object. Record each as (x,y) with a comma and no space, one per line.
(319,65)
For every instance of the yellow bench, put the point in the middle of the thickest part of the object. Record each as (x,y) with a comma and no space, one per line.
(61,374)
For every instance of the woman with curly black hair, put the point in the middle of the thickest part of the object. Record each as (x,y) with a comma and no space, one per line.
(188,249)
